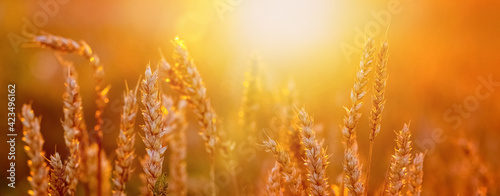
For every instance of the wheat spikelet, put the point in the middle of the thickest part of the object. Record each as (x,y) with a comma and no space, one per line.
(273,184)
(153,127)
(378,101)
(34,149)
(61,44)
(316,158)
(288,170)
(415,175)
(58,182)
(352,178)
(72,109)
(178,145)
(400,161)
(125,154)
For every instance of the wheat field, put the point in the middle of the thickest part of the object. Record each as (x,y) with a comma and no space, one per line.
(186,104)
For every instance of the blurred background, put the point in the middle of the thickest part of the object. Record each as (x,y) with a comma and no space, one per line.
(441,52)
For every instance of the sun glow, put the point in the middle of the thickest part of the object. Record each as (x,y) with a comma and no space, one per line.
(286,22)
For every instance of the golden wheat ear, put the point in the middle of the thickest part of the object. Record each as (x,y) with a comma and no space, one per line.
(352,166)
(378,101)
(59,182)
(400,161)
(153,127)
(125,153)
(316,159)
(288,170)
(273,184)
(415,175)
(71,123)
(184,78)
(34,149)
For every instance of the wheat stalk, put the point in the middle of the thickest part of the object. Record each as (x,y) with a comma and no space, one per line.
(71,123)
(378,103)
(58,182)
(273,184)
(352,167)
(34,149)
(178,144)
(61,44)
(415,175)
(289,171)
(183,77)
(316,158)
(125,154)
(153,127)
(400,161)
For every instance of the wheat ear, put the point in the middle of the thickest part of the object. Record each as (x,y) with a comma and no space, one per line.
(176,118)
(183,77)
(316,159)
(153,127)
(71,123)
(400,161)
(61,44)
(273,184)
(34,149)
(125,154)
(352,167)
(415,175)
(58,182)
(250,103)
(378,102)
(289,172)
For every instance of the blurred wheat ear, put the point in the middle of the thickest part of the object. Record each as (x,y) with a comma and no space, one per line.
(39,171)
